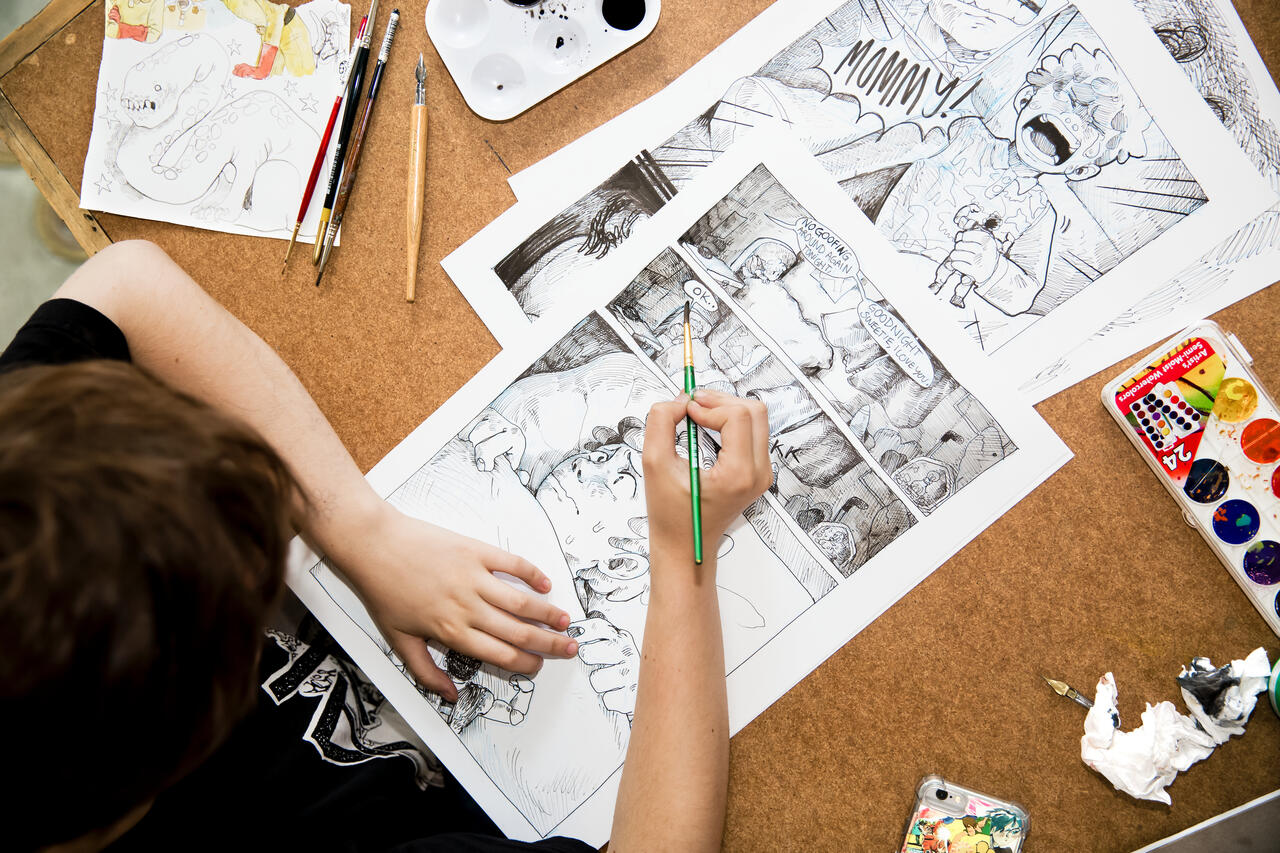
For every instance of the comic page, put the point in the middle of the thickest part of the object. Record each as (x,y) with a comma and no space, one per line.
(1212,47)
(1008,153)
(880,414)
(209,112)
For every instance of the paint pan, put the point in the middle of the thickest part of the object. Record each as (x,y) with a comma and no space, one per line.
(1210,431)
(507,55)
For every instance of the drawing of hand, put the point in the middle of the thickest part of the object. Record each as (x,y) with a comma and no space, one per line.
(976,255)
(114,15)
(493,437)
(621,578)
(614,658)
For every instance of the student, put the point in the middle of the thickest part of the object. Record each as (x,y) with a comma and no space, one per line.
(145,510)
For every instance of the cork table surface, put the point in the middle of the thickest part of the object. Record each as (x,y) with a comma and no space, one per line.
(947,681)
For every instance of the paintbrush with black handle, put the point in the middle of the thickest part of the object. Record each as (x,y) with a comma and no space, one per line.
(351,167)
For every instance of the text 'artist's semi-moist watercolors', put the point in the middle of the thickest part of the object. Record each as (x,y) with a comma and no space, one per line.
(1206,425)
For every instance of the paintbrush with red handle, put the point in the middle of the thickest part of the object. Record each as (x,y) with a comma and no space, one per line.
(315,168)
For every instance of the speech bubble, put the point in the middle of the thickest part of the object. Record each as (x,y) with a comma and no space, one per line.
(701,295)
(823,248)
(897,340)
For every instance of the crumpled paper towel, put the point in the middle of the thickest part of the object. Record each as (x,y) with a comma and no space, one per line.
(1143,762)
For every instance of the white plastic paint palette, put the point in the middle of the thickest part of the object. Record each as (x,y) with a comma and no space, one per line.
(1212,433)
(507,55)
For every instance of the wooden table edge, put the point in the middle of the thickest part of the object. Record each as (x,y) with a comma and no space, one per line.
(15,133)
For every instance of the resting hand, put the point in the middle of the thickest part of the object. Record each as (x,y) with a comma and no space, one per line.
(614,658)
(422,582)
(741,473)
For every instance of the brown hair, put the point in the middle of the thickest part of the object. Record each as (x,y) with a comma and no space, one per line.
(142,545)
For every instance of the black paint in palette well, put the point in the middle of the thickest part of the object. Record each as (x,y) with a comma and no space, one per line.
(1207,481)
(623,14)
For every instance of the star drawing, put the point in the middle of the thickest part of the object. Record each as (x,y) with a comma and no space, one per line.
(291,88)
(309,104)
(103,185)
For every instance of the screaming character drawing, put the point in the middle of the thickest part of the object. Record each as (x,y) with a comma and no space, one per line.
(1030,109)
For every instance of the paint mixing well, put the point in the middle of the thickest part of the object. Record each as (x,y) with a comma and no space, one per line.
(507,55)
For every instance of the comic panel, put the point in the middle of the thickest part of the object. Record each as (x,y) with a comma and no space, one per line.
(802,284)
(551,469)
(821,478)
(994,142)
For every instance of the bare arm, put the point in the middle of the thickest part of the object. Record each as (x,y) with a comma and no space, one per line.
(188,341)
(675,781)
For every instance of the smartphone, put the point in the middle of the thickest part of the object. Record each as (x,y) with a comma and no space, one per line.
(949,818)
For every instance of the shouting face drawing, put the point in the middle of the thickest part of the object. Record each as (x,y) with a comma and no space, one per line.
(1077,114)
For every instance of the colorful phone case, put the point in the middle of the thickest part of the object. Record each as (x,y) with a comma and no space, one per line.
(948,818)
(1206,426)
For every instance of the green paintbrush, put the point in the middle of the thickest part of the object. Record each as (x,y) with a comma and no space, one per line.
(695,487)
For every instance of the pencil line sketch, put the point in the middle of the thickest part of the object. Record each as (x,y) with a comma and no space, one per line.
(192,129)
(802,285)
(1202,36)
(551,470)
(996,143)
(822,480)
(185,146)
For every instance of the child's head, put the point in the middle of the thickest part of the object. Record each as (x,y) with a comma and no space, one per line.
(1077,114)
(142,545)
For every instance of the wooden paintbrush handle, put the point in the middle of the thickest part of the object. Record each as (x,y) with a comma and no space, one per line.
(417,195)
(352,165)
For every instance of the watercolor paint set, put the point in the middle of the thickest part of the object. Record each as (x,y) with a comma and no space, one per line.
(1211,432)
(507,55)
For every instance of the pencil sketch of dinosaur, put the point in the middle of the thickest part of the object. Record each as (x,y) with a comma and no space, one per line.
(186,143)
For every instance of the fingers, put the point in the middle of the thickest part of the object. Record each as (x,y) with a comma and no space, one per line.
(660,434)
(417,659)
(506,597)
(508,629)
(490,649)
(518,567)
(731,417)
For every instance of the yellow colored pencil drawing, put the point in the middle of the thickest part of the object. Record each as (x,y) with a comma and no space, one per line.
(285,46)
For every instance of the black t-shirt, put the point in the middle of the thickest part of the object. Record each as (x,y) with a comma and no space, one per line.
(323,762)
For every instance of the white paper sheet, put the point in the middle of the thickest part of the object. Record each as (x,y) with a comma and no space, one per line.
(881,412)
(1215,52)
(1036,242)
(184,133)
